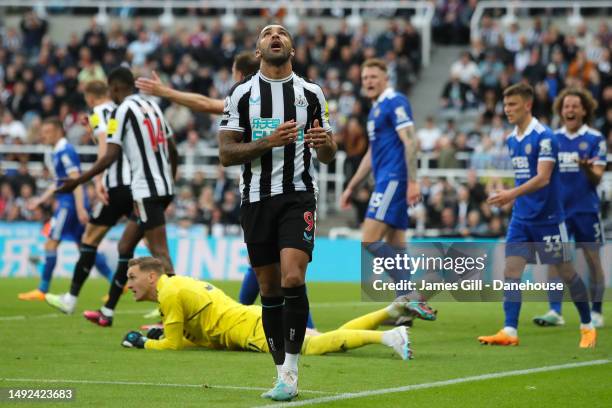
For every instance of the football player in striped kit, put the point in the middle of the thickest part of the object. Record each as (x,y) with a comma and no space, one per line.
(272,124)
(138,129)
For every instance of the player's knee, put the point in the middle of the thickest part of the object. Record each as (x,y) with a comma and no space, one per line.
(269,288)
(292,280)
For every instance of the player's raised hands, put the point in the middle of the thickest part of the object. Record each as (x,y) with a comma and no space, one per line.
(284,134)
(152,86)
(317,136)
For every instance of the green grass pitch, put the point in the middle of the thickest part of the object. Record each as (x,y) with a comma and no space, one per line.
(39,344)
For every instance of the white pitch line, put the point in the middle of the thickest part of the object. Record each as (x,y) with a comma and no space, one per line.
(97,382)
(56,315)
(143,311)
(363,394)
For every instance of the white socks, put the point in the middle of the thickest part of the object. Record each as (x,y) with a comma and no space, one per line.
(291,362)
(588,326)
(70,300)
(107,312)
(511,331)
(387,338)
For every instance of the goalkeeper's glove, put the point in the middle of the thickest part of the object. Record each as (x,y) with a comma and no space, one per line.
(134,339)
(155,333)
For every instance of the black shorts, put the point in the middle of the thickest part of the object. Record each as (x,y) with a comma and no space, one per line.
(282,221)
(149,212)
(120,203)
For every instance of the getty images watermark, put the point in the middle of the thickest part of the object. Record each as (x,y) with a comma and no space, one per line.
(466,271)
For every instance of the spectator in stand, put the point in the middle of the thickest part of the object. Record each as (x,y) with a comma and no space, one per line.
(11,128)
(453,95)
(464,68)
(429,135)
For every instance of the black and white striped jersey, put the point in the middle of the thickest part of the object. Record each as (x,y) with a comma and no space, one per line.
(118,174)
(256,107)
(139,127)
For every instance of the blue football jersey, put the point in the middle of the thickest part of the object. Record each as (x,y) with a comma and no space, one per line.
(62,161)
(577,192)
(537,144)
(390,113)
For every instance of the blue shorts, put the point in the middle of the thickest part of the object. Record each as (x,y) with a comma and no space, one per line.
(549,242)
(65,225)
(388,203)
(586,229)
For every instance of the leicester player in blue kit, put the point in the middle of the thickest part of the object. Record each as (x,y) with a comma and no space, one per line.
(72,211)
(536,227)
(392,157)
(582,162)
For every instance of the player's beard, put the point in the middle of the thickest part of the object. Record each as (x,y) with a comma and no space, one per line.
(276,59)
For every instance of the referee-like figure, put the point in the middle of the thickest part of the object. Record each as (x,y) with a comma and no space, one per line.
(272,124)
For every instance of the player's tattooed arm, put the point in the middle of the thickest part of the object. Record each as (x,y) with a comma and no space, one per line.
(408,137)
(233,151)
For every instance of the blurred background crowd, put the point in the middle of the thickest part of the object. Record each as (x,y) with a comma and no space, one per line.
(41,77)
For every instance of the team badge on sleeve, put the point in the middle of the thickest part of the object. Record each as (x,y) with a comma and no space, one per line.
(545,146)
(603,148)
(400,114)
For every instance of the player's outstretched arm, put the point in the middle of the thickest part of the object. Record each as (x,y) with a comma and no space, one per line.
(408,138)
(172,340)
(79,199)
(365,166)
(194,101)
(113,151)
(232,151)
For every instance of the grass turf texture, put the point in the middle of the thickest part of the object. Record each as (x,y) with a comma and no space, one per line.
(49,345)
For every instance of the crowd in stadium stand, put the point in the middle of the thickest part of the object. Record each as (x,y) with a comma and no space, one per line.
(41,78)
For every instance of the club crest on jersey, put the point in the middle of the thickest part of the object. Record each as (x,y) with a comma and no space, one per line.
(254,101)
(376,112)
(583,145)
(528,148)
(300,101)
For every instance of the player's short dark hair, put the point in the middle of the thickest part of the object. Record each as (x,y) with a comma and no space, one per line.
(589,104)
(96,88)
(288,33)
(55,121)
(121,75)
(523,90)
(148,263)
(246,63)
(375,63)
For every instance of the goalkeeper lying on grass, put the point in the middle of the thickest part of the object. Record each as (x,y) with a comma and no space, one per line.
(195,313)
